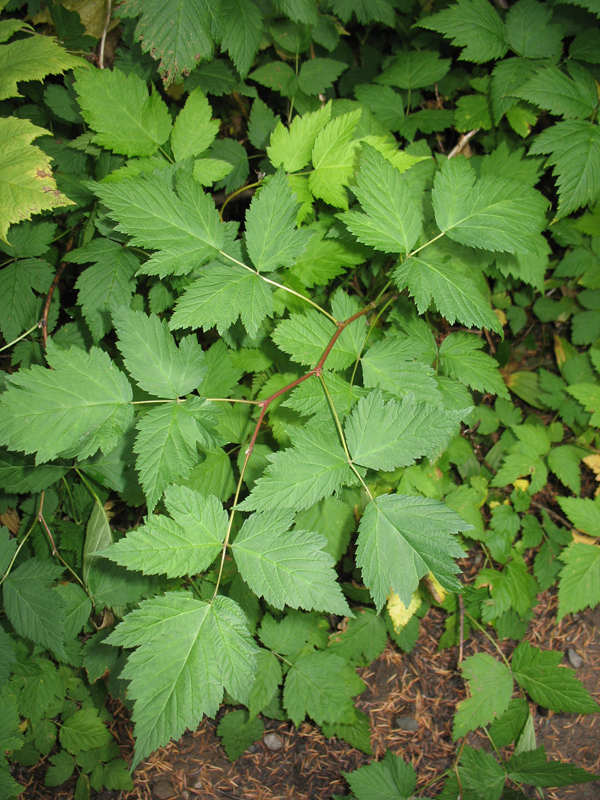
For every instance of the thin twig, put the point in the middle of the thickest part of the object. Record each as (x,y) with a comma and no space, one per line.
(22,336)
(104,32)
(461,632)
(552,513)
(44,320)
(462,142)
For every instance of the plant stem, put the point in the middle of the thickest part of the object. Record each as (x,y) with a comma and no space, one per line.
(88,487)
(22,336)
(233,400)
(423,246)
(486,634)
(235,194)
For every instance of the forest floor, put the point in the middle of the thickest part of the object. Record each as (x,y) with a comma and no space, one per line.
(424,685)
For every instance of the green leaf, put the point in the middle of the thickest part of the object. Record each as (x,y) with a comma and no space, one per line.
(242,24)
(321,685)
(152,357)
(588,395)
(401,539)
(238,732)
(564,463)
(449,285)
(331,518)
(315,467)
(384,102)
(490,685)
(584,513)
(389,779)
(461,358)
(261,124)
(318,74)
(209,170)
(98,658)
(194,130)
(188,652)
(473,111)
(384,436)
(268,678)
(272,238)
(389,365)
(18,281)
(574,148)
(531,33)
(550,88)
(108,95)
(234,153)
(508,76)
(166,443)
(292,147)
(222,295)
(35,611)
(116,776)
(108,283)
(393,220)
(11,737)
(287,567)
(299,10)
(474,25)
(304,337)
(481,776)
(63,766)
(533,767)
(277,75)
(333,157)
(79,405)
(31,59)
(579,585)
(492,213)
(83,731)
(554,687)
(185,544)
(363,640)
(325,259)
(506,729)
(184,227)
(414,69)
(26,183)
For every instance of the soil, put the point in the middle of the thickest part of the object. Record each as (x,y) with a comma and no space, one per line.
(424,685)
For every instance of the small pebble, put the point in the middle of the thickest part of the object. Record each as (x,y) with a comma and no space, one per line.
(273,741)
(406,724)
(185,795)
(575,659)
(163,790)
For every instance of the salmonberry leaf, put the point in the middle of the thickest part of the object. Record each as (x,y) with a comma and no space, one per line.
(333,157)
(304,338)
(318,74)
(390,365)
(474,25)
(18,282)
(363,639)
(583,512)
(30,59)
(83,731)
(194,130)
(261,124)
(461,358)
(388,779)
(579,584)
(552,89)
(268,678)
(292,147)
(531,32)
(533,767)
(242,31)
(490,685)
(588,395)
(414,69)
(238,732)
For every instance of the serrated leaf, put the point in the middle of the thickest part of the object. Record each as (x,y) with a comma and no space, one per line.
(363,640)
(473,25)
(532,767)
(393,220)
(291,147)
(185,544)
(389,365)
(481,776)
(166,443)
(550,88)
(184,227)
(83,731)
(109,96)
(268,678)
(222,295)
(188,652)
(272,238)
(325,259)
(80,404)
(401,539)
(31,59)
(583,512)
(194,130)
(491,686)
(321,685)
(298,477)
(588,395)
(414,69)
(385,436)
(26,183)
(238,732)
(304,337)
(579,584)
(18,281)
(318,74)
(63,766)
(98,536)
(554,687)
(287,567)
(389,779)
(492,213)
(242,31)
(261,124)
(574,152)
(531,33)
(461,358)
(152,357)
(449,285)
(506,729)
(277,75)
(507,77)
(333,157)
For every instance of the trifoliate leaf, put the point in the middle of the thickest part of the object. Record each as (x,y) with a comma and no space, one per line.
(318,74)
(222,295)
(166,443)
(298,631)
(506,729)
(109,282)
(242,22)
(461,358)
(403,538)
(106,96)
(554,687)
(385,436)
(321,685)
(579,584)
(389,779)
(389,365)
(287,567)
(474,25)
(18,282)
(79,405)
(34,610)
(414,69)
(188,652)
(534,768)
(272,238)
(550,88)
(29,239)
(507,77)
(31,59)
(194,130)
(277,75)
(393,220)
(315,467)
(531,33)
(83,731)
(291,147)
(574,152)
(448,283)
(185,544)
(333,157)
(209,170)
(183,227)
(153,359)
(493,213)
(238,732)
(26,183)
(490,685)
(268,678)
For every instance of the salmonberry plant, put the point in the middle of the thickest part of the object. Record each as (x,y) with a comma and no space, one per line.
(273,272)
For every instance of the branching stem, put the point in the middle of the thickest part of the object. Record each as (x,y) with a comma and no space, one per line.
(22,336)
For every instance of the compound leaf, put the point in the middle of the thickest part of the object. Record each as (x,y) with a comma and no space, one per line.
(83,731)
(579,584)
(292,147)
(533,767)
(550,88)
(268,678)
(333,157)
(414,69)
(461,358)
(389,365)
(531,33)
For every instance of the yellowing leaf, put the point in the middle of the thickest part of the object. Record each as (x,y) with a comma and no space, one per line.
(32,59)
(582,538)
(435,588)
(26,183)
(399,613)
(522,484)
(593,462)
